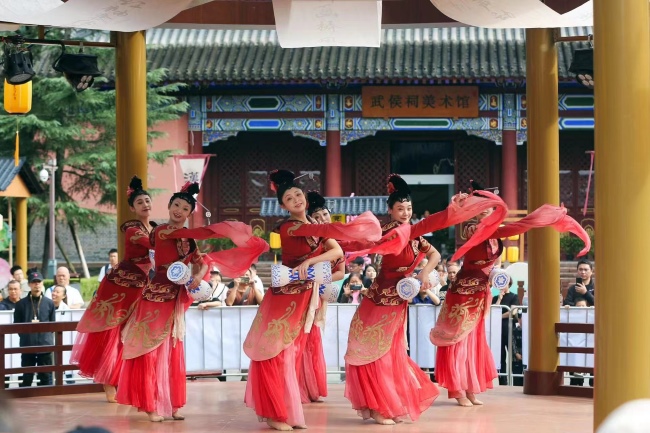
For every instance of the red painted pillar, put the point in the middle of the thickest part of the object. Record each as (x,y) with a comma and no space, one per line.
(333,164)
(333,149)
(195,145)
(509,178)
(509,171)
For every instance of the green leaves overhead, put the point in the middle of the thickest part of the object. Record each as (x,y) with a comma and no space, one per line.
(79,130)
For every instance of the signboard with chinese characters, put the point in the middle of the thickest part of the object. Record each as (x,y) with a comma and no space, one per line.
(420,101)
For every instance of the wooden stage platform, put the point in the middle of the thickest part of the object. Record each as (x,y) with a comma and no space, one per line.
(215,406)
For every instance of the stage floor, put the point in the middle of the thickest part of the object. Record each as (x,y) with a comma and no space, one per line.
(215,406)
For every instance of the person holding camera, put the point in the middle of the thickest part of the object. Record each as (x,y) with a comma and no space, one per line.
(243,292)
(584,286)
(353,288)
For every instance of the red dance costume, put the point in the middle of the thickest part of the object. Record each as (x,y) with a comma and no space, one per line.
(98,347)
(312,371)
(274,341)
(464,362)
(380,376)
(153,374)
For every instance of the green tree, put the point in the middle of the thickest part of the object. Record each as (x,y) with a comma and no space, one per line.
(79,130)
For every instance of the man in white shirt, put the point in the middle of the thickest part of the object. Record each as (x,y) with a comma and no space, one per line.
(112,262)
(256,280)
(219,291)
(75,300)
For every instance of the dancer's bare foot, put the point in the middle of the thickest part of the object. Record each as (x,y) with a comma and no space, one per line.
(300,427)
(471,397)
(380,419)
(110,392)
(281,426)
(177,416)
(464,402)
(154,417)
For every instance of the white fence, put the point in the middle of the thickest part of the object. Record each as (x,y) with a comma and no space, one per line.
(214,337)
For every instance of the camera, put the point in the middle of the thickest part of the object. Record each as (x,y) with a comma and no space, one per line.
(244,280)
(356,287)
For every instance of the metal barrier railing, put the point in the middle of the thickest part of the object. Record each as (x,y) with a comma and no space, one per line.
(215,336)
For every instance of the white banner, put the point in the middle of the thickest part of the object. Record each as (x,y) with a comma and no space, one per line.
(192,168)
(327,23)
(117,15)
(514,14)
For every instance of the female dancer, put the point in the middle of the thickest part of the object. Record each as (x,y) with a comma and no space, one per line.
(153,373)
(382,381)
(98,348)
(312,371)
(464,364)
(286,313)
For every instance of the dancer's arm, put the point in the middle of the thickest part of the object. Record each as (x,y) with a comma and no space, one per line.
(338,272)
(137,236)
(433,258)
(334,252)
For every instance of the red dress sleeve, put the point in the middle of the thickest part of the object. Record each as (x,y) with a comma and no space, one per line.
(365,227)
(545,216)
(233,262)
(137,236)
(395,240)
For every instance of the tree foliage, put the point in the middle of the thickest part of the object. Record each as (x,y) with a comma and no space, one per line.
(79,131)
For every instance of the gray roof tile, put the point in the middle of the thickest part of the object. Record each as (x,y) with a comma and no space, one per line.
(255,56)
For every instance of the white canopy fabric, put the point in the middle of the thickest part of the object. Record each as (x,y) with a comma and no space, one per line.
(299,23)
(119,15)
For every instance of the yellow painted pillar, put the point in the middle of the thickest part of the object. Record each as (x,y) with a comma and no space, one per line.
(131,106)
(622,91)
(21,232)
(541,378)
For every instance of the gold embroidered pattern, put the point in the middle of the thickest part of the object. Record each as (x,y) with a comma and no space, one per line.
(164,232)
(391,225)
(139,234)
(141,330)
(125,278)
(281,328)
(255,326)
(293,288)
(374,340)
(107,309)
(158,292)
(385,296)
(459,314)
(468,285)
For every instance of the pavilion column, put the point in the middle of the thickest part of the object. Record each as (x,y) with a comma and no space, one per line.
(333,148)
(21,232)
(195,146)
(622,100)
(131,114)
(541,377)
(509,176)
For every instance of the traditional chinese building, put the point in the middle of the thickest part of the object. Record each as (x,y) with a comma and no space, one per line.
(440,106)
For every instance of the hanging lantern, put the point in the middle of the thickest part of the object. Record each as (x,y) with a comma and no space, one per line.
(513,238)
(274,241)
(18,98)
(503,254)
(513,254)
